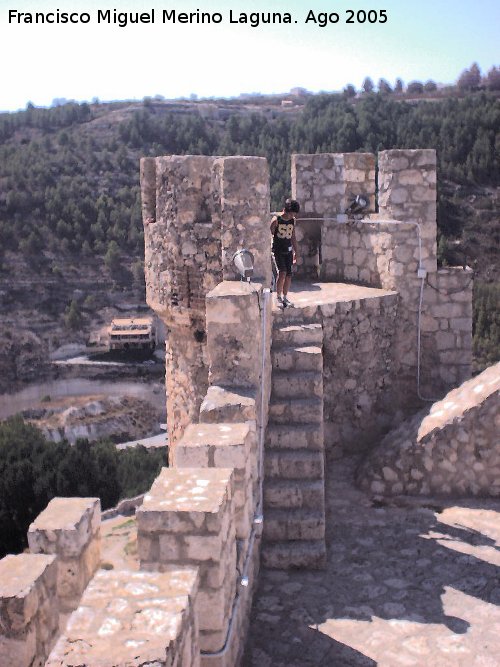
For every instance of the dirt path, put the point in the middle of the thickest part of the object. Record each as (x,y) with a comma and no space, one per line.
(407,584)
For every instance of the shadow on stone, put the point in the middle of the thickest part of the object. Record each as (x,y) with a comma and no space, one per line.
(412,583)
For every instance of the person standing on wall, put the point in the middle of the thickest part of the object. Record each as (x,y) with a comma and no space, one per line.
(285,248)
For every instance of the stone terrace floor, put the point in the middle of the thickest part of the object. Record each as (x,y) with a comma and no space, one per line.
(409,582)
(303,294)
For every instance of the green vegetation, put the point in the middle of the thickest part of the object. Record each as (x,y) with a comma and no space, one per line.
(73,316)
(72,190)
(486,324)
(34,470)
(69,175)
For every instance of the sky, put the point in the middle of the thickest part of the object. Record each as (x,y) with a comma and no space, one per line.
(428,39)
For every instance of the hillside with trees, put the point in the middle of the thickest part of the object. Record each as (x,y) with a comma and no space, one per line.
(69,176)
(34,470)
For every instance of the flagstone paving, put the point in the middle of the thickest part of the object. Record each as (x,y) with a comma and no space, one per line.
(409,582)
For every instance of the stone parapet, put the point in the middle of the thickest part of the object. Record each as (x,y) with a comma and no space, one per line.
(446,326)
(408,192)
(231,654)
(383,253)
(224,446)
(234,334)
(182,245)
(205,209)
(325,183)
(29,609)
(187,519)
(133,618)
(361,391)
(69,528)
(242,186)
(239,324)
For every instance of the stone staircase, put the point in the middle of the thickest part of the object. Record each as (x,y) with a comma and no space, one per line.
(294,505)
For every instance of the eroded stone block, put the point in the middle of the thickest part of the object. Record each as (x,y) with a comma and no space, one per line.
(133,618)
(29,610)
(223,445)
(70,529)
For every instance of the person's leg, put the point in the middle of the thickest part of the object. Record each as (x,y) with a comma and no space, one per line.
(288,278)
(280,283)
(286,284)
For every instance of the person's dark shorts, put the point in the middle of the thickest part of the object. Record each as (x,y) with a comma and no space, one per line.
(284,261)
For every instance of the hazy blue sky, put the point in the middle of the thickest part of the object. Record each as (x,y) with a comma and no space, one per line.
(421,40)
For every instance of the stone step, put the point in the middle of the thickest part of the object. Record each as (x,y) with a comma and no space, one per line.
(297,315)
(293,524)
(309,554)
(297,334)
(294,436)
(296,410)
(294,494)
(293,464)
(297,358)
(290,384)
(228,404)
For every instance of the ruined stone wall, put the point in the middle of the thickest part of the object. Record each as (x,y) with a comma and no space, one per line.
(197,212)
(451,448)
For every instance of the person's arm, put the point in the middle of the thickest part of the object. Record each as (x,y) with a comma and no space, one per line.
(294,245)
(273,225)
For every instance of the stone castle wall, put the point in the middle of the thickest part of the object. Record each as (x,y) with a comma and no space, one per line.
(198,537)
(201,512)
(198,528)
(222,204)
(204,209)
(358,357)
(386,250)
(38,589)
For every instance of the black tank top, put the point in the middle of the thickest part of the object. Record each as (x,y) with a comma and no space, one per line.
(282,237)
